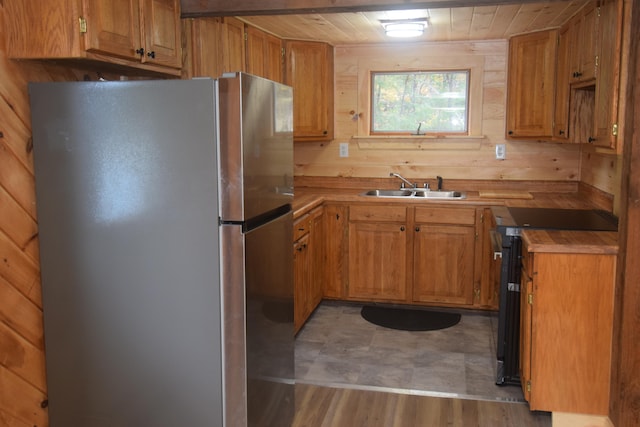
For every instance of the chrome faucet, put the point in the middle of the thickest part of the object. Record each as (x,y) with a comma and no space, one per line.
(404,180)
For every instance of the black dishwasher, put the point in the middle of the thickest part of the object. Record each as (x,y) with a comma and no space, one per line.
(507,244)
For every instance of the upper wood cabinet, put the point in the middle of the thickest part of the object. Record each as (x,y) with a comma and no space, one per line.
(582,30)
(607,90)
(563,81)
(140,33)
(234,46)
(309,70)
(531,85)
(582,105)
(214,46)
(220,45)
(264,56)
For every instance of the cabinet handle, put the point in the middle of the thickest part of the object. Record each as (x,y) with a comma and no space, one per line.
(152,54)
(140,51)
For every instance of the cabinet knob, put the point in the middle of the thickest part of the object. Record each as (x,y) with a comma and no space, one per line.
(140,51)
(591,140)
(510,132)
(402,228)
(152,54)
(561,132)
(417,228)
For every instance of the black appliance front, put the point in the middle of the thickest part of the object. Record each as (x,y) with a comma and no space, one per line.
(511,221)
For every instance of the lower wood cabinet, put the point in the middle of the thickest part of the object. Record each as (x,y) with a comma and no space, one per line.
(444,255)
(378,253)
(430,255)
(335,249)
(566,331)
(308,265)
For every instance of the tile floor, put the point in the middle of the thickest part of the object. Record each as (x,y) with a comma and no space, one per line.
(337,347)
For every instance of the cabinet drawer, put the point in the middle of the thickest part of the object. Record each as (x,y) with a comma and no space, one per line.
(378,213)
(464,216)
(302,226)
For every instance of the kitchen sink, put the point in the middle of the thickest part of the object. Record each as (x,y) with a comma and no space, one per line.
(423,193)
(389,193)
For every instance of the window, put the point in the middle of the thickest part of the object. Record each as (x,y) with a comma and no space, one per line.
(420,102)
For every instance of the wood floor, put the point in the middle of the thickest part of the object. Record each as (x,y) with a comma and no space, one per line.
(318,406)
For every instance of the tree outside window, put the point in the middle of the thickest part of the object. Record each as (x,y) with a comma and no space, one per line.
(422,102)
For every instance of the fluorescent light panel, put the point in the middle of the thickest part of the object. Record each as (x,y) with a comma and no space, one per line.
(405,28)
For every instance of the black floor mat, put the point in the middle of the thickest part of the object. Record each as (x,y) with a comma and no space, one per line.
(406,319)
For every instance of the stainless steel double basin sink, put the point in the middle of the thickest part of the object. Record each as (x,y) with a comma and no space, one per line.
(417,193)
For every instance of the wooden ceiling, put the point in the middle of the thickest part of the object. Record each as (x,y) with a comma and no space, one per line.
(498,21)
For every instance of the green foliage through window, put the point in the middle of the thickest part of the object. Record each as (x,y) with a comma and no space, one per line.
(431,101)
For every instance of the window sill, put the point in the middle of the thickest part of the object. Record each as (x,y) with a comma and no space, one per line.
(421,142)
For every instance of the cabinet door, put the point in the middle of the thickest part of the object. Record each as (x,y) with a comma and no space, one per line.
(274,59)
(586,43)
(264,54)
(316,239)
(162,36)
(443,266)
(204,47)
(530,93)
(571,334)
(301,264)
(234,54)
(377,261)
(113,27)
(335,251)
(561,115)
(608,73)
(487,262)
(309,70)
(255,51)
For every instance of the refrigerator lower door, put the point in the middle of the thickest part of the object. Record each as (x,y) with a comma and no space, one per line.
(258,324)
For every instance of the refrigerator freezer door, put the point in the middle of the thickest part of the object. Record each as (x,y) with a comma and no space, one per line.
(256,146)
(127,202)
(267,353)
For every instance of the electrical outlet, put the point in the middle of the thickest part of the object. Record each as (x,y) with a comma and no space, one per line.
(344,149)
(501,151)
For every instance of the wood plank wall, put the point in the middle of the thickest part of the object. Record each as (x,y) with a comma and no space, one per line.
(463,159)
(22,370)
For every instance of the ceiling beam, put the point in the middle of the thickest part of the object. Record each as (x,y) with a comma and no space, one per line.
(193,8)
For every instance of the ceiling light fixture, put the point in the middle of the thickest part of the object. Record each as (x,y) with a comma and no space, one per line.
(405,28)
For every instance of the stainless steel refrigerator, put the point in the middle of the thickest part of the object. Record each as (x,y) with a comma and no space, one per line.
(165,230)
